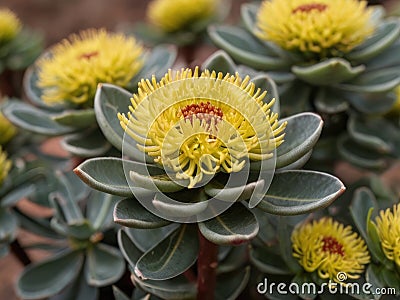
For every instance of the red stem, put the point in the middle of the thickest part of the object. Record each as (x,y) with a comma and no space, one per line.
(206,267)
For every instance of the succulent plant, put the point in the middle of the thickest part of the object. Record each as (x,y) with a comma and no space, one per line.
(191,205)
(62,83)
(340,72)
(82,259)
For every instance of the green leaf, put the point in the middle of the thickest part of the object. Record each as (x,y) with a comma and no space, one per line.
(155,179)
(8,226)
(302,132)
(235,259)
(233,194)
(372,276)
(328,72)
(387,59)
(230,286)
(268,262)
(175,288)
(374,241)
(359,155)
(285,245)
(22,191)
(296,192)
(248,12)
(33,119)
(88,143)
(300,280)
(294,98)
(81,118)
(329,101)
(104,265)
(50,276)
(105,174)
(128,248)
(130,213)
(118,294)
(99,207)
(171,257)
(265,83)
(372,104)
(78,290)
(384,36)
(145,239)
(235,226)
(243,47)
(219,62)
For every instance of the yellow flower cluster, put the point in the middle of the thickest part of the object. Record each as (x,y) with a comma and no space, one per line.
(329,248)
(10,25)
(5,166)
(388,224)
(198,124)
(175,15)
(323,28)
(7,130)
(72,69)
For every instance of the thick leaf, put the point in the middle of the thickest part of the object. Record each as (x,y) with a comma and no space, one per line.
(299,163)
(372,104)
(248,13)
(302,132)
(105,174)
(145,239)
(294,98)
(175,288)
(285,244)
(154,179)
(268,262)
(235,258)
(118,294)
(104,265)
(128,248)
(230,286)
(298,191)
(384,36)
(171,257)
(330,102)
(129,212)
(265,83)
(33,119)
(99,207)
(220,62)
(301,279)
(8,226)
(235,226)
(81,118)
(233,194)
(88,143)
(245,48)
(359,155)
(387,59)
(327,72)
(50,276)
(78,290)
(17,194)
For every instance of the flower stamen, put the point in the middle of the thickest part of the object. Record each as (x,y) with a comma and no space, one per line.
(202,111)
(310,7)
(332,245)
(89,55)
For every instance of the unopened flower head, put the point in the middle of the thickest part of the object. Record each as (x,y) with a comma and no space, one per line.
(199,124)
(388,224)
(328,247)
(317,28)
(5,166)
(73,68)
(10,25)
(7,130)
(176,15)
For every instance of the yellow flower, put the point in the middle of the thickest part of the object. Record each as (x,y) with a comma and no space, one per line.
(322,28)
(388,224)
(10,25)
(200,124)
(7,130)
(175,15)
(5,166)
(329,248)
(74,67)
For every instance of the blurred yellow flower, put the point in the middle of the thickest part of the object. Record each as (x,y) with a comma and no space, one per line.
(73,68)
(5,166)
(322,28)
(388,224)
(199,124)
(7,130)
(329,248)
(175,15)
(10,25)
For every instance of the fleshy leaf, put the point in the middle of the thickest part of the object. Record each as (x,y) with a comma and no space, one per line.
(220,62)
(230,194)
(230,286)
(171,257)
(296,192)
(17,194)
(295,98)
(368,103)
(104,265)
(243,47)
(130,213)
(235,226)
(248,13)
(50,276)
(128,248)
(329,101)
(81,118)
(236,258)
(88,143)
(265,83)
(268,262)
(302,132)
(330,71)
(156,180)
(33,119)
(8,226)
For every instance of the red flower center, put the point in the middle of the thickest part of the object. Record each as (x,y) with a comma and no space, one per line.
(88,55)
(309,7)
(332,246)
(203,111)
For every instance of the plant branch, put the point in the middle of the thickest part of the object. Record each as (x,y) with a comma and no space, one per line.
(20,253)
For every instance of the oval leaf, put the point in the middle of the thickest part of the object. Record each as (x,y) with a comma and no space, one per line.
(230,286)
(235,226)
(49,277)
(81,118)
(130,213)
(220,62)
(145,239)
(8,226)
(268,262)
(128,248)
(171,257)
(296,192)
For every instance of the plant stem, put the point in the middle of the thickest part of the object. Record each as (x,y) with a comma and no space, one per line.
(206,267)
(20,253)
(6,83)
